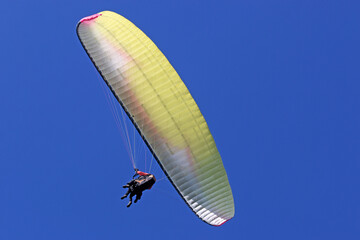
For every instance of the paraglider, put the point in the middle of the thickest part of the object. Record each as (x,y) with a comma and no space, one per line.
(137,186)
(162,110)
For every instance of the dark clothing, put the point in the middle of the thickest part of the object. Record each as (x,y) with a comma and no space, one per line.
(137,186)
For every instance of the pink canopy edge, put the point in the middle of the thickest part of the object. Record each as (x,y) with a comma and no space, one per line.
(89,18)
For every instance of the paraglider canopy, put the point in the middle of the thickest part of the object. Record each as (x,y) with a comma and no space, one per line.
(162,110)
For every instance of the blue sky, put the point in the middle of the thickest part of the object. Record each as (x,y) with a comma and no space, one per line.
(277,81)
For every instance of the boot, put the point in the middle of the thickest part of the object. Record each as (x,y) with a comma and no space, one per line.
(129,204)
(126,186)
(123,196)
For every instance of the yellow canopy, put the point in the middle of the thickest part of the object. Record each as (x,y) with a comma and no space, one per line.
(163,111)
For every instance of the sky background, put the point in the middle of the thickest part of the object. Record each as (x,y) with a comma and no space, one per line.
(277,81)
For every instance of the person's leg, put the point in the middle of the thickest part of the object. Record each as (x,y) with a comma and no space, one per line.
(130,202)
(126,194)
(138,196)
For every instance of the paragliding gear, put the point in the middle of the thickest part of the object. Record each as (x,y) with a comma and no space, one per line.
(162,110)
(136,172)
(137,186)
